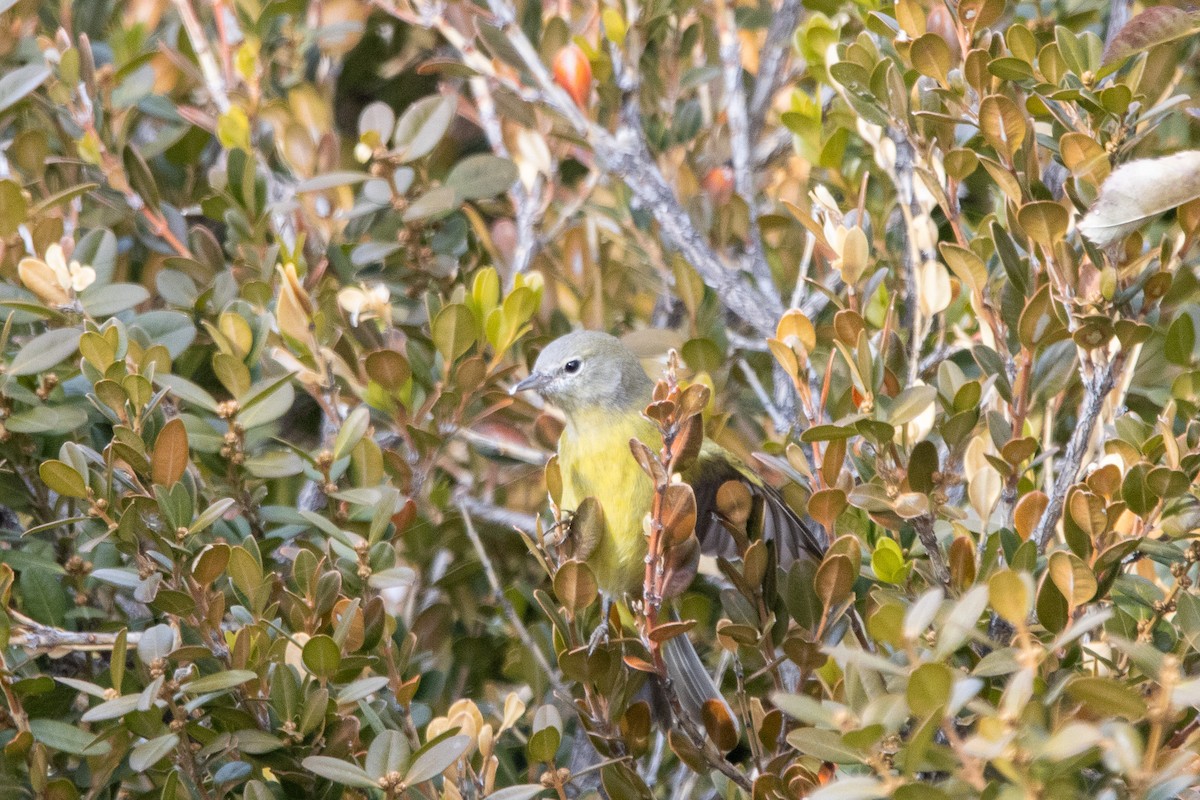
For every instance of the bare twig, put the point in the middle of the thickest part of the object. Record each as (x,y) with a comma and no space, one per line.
(772,64)
(1098,381)
(778,418)
(513,450)
(527,201)
(498,515)
(33,635)
(510,612)
(213,79)
(623,153)
(924,528)
(740,146)
(1118,15)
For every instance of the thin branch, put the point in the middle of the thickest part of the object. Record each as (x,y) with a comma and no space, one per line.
(567,213)
(33,635)
(1097,385)
(501,598)
(778,418)
(924,527)
(209,68)
(498,515)
(627,157)
(506,449)
(624,153)
(772,64)
(1118,15)
(526,200)
(739,141)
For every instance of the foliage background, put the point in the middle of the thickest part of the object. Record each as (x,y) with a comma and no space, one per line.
(270,265)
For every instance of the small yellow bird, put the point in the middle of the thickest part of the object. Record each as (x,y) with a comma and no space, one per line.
(602,390)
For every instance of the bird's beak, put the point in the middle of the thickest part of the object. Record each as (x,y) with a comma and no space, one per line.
(536,380)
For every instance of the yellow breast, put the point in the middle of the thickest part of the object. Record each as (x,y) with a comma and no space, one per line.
(595,461)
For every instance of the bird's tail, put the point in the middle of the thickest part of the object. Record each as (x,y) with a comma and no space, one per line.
(690,679)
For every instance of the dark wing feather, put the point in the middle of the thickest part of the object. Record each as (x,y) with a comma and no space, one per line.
(780,524)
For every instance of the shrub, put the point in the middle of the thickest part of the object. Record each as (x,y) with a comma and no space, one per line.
(269,269)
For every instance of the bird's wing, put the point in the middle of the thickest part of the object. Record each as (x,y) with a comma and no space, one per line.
(780,524)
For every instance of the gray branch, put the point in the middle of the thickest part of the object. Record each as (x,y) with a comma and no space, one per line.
(625,155)
(1096,386)
(511,613)
(772,64)
(740,146)
(925,532)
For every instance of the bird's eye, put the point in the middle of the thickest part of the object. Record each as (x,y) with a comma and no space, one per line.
(572,366)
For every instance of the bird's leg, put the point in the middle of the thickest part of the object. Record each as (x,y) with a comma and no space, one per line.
(600,635)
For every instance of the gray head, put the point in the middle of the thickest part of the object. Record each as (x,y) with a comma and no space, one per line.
(588,370)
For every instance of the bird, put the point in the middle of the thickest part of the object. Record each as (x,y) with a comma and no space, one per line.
(602,390)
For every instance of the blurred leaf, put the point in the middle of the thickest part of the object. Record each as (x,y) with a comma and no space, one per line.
(436,760)
(67,738)
(481,176)
(1138,191)
(1153,26)
(45,351)
(149,753)
(17,84)
(422,126)
(338,771)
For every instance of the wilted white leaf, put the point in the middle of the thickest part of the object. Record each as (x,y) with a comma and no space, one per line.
(1141,190)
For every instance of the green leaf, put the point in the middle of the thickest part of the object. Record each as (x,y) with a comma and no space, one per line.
(1107,697)
(141,179)
(339,771)
(434,203)
(21,82)
(67,738)
(825,745)
(113,709)
(454,331)
(172,329)
(1181,340)
(322,656)
(255,742)
(352,431)
(219,682)
(211,514)
(482,175)
(14,207)
(1010,595)
(98,249)
(63,478)
(147,754)
(929,688)
(1073,577)
(361,689)
(47,420)
(187,391)
(105,301)
(45,351)
(44,595)
(436,759)
(387,753)
(422,126)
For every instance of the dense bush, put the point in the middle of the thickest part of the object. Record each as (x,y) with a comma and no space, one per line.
(273,526)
